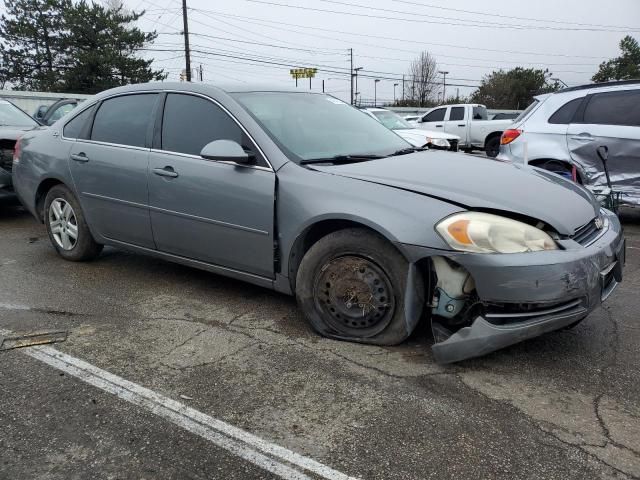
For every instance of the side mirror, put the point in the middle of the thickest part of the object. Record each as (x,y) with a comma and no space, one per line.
(226,150)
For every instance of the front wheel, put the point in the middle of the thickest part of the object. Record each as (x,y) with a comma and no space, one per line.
(66,226)
(351,286)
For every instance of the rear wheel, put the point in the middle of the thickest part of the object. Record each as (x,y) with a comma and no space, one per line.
(66,226)
(351,286)
(492,146)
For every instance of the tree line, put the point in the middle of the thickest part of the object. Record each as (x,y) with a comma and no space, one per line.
(72,46)
(511,89)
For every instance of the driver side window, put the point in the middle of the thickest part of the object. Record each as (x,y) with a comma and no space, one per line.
(435,116)
(190,122)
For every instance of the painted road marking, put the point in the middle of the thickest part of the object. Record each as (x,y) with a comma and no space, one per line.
(266,455)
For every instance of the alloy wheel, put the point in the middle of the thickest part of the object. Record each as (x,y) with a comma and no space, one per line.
(63,224)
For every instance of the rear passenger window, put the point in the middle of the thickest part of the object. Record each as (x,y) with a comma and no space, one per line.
(614,108)
(435,116)
(124,120)
(565,114)
(190,122)
(74,128)
(456,114)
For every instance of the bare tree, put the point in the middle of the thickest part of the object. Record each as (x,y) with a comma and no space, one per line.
(423,82)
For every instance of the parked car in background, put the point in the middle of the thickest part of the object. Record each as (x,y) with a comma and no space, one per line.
(562,132)
(13,123)
(506,116)
(411,118)
(302,193)
(50,114)
(415,136)
(470,123)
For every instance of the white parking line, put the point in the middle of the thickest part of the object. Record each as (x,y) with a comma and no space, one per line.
(241,443)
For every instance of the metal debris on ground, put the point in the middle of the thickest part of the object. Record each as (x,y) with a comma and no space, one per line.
(32,339)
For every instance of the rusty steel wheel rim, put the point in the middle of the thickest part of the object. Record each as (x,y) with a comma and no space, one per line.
(354,296)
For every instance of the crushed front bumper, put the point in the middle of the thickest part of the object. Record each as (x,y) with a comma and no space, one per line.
(542,291)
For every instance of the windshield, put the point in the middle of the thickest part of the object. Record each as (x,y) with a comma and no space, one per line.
(392,120)
(10,115)
(526,112)
(313,126)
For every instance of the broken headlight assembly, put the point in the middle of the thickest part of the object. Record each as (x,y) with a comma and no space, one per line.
(438,142)
(479,232)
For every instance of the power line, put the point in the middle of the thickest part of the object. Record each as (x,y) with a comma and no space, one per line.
(497,15)
(381,37)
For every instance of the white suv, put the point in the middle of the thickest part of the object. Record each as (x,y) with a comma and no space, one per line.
(562,132)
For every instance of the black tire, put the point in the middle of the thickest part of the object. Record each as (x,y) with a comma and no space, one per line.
(84,247)
(492,147)
(352,271)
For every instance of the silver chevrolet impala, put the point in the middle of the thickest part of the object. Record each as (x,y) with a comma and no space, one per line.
(301,193)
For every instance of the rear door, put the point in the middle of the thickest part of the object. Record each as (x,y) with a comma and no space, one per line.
(110,168)
(456,123)
(610,119)
(217,212)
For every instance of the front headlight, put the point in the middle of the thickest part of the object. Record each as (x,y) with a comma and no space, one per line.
(438,142)
(485,233)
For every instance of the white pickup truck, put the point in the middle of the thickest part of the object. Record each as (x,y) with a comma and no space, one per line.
(469,122)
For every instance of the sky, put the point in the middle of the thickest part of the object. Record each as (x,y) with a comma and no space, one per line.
(261,40)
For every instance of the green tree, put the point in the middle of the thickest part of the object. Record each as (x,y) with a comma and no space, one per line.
(32,43)
(103,45)
(624,67)
(67,46)
(513,89)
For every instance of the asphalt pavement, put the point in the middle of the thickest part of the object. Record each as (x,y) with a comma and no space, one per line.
(170,372)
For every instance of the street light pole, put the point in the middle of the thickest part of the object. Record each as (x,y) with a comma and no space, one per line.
(355,75)
(444,85)
(375,92)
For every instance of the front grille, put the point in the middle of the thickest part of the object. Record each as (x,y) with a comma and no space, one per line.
(508,313)
(588,233)
(6,159)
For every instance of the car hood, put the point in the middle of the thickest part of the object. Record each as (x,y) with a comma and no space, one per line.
(484,184)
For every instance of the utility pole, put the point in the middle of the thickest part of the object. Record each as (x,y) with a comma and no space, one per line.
(322,86)
(351,55)
(201,75)
(444,85)
(356,70)
(403,87)
(375,92)
(187,54)
(394,93)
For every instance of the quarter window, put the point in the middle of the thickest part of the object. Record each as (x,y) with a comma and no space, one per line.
(191,122)
(435,116)
(124,120)
(75,127)
(456,114)
(614,108)
(565,114)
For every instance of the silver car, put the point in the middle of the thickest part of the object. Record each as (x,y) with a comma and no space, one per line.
(303,194)
(563,131)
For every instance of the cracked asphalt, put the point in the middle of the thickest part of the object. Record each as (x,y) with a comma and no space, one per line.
(562,406)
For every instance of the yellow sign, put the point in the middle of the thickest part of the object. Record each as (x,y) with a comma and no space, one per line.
(303,72)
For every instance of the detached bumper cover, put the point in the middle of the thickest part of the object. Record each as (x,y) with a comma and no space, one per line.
(564,286)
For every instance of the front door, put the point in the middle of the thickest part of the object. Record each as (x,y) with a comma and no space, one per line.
(212,211)
(610,119)
(110,169)
(455,124)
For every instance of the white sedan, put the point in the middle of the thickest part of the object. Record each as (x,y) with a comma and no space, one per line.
(415,136)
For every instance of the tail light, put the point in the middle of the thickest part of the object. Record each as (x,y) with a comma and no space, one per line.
(17,149)
(509,136)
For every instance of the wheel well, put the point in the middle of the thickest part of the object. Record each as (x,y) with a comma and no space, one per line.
(492,135)
(541,161)
(310,236)
(41,193)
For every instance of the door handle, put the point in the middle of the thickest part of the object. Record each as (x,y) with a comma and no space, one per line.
(463,125)
(166,172)
(80,157)
(438,126)
(583,138)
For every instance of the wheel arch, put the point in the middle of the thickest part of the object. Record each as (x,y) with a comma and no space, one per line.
(319,228)
(539,162)
(496,133)
(41,192)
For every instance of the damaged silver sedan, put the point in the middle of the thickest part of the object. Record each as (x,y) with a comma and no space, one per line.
(301,193)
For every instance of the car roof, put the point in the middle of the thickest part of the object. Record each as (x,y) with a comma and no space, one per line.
(588,86)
